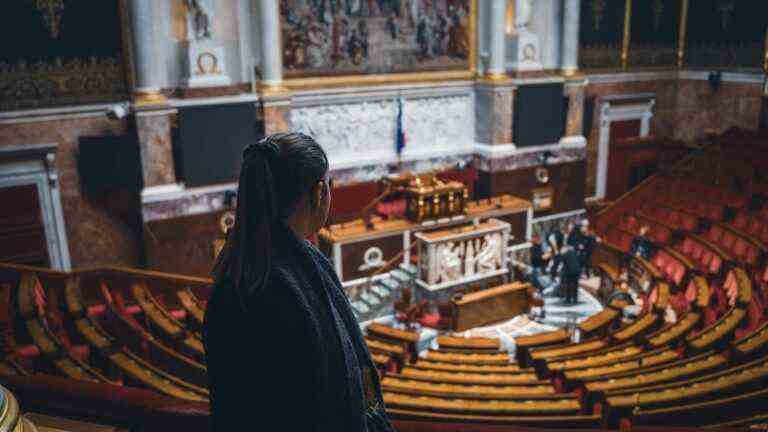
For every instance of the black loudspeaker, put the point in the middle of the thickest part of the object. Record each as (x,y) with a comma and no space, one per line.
(211,142)
(109,163)
(538,115)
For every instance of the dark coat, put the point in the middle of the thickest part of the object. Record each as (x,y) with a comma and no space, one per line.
(572,264)
(295,358)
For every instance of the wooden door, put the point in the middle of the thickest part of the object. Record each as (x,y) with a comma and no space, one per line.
(22,233)
(618,174)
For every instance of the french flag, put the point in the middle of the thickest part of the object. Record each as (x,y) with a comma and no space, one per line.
(400,133)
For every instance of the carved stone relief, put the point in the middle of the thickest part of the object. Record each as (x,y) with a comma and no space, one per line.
(434,127)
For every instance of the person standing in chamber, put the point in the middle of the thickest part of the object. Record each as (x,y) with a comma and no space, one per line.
(556,240)
(641,245)
(571,273)
(282,344)
(539,261)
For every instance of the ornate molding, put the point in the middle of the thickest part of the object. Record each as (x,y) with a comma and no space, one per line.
(76,81)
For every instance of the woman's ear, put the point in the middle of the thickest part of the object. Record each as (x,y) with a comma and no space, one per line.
(317,194)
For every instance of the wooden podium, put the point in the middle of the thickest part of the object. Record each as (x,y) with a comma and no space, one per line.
(490,306)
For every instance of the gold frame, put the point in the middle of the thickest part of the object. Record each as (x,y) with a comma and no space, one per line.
(543,193)
(309,82)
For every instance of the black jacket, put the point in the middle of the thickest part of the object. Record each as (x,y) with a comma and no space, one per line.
(295,359)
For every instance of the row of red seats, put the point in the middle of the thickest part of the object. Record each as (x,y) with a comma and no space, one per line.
(657,232)
(675,218)
(669,266)
(705,259)
(619,238)
(741,249)
(684,187)
(693,205)
(752,225)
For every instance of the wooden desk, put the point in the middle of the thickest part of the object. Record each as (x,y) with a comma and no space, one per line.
(347,244)
(495,304)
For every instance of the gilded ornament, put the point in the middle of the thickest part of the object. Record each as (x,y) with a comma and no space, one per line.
(598,8)
(658,10)
(52,11)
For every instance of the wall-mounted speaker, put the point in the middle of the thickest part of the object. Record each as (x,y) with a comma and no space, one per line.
(109,163)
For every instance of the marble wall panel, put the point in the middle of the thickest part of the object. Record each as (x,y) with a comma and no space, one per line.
(99,231)
(362,133)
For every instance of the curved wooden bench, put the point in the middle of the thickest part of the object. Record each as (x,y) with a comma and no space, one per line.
(127,330)
(637,329)
(592,360)
(386,333)
(651,359)
(400,384)
(49,345)
(526,343)
(736,379)
(459,367)
(685,368)
(717,334)
(170,328)
(674,332)
(600,323)
(522,378)
(468,420)
(569,350)
(461,358)
(132,365)
(704,413)
(468,344)
(192,305)
(753,344)
(468,406)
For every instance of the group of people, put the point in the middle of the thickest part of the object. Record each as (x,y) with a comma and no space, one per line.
(564,256)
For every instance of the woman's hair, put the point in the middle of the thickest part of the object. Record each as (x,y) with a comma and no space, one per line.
(276,173)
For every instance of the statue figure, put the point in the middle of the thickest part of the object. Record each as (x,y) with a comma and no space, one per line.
(523,15)
(199,17)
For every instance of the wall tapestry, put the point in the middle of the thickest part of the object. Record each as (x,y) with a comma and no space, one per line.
(349,37)
(61,52)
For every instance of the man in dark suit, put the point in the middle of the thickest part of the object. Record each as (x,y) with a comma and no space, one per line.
(571,272)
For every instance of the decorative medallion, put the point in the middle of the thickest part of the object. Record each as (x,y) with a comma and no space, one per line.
(52,11)
(598,8)
(372,258)
(657,6)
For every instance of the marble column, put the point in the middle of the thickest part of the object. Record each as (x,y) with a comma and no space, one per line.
(271,53)
(494,113)
(153,128)
(570,45)
(497,46)
(574,125)
(149,77)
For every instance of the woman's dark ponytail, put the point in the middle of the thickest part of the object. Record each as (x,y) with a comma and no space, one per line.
(275,173)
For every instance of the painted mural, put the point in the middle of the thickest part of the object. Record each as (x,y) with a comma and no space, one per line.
(343,37)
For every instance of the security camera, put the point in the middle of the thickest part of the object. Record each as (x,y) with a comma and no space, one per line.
(117,111)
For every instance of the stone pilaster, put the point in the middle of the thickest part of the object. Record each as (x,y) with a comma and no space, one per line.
(276,107)
(570,45)
(154,132)
(149,75)
(494,106)
(574,125)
